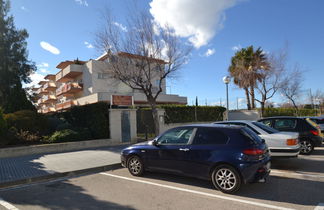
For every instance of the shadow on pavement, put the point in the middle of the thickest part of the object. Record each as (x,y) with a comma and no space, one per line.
(56,195)
(277,189)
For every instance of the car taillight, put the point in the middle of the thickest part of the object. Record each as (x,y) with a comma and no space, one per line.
(316,133)
(253,152)
(292,142)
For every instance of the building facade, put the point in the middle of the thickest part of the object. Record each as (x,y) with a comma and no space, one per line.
(85,82)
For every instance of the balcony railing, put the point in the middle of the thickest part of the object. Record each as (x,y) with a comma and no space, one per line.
(48,110)
(50,86)
(65,105)
(69,72)
(49,98)
(69,88)
(41,101)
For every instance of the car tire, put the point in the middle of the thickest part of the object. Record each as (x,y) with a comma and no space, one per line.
(306,147)
(226,179)
(135,165)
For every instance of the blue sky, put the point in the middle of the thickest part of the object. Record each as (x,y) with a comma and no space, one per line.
(216,27)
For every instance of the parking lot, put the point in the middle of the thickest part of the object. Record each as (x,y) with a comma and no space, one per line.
(293,184)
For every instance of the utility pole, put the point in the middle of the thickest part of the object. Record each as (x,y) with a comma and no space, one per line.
(237,103)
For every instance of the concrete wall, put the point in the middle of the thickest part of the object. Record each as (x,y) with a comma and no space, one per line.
(243,115)
(115,124)
(54,148)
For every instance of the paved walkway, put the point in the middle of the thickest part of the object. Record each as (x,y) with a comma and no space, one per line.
(25,167)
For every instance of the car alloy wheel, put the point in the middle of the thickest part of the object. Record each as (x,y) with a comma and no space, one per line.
(135,166)
(306,147)
(226,179)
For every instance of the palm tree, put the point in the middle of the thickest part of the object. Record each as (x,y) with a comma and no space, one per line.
(247,68)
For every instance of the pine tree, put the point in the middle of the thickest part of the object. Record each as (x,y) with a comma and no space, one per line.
(15,67)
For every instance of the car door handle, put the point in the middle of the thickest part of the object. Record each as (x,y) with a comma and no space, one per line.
(184,149)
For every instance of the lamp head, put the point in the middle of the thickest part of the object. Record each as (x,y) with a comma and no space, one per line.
(227,79)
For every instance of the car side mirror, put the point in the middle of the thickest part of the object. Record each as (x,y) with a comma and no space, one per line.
(155,142)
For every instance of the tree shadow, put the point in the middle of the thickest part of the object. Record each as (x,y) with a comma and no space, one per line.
(57,195)
(277,189)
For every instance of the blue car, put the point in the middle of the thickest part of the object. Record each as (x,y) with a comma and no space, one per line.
(225,154)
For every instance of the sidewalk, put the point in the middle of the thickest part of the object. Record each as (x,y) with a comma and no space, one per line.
(41,167)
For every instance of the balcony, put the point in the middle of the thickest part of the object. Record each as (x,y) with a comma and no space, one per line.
(69,73)
(65,105)
(69,88)
(50,86)
(49,98)
(41,101)
(49,109)
(42,91)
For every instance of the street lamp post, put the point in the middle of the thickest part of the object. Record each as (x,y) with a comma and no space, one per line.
(227,80)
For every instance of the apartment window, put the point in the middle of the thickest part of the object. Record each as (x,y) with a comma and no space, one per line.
(103,75)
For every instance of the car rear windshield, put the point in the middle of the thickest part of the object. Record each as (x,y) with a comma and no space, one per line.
(251,136)
(265,127)
(318,121)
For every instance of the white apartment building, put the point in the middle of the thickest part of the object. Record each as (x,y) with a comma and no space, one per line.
(85,82)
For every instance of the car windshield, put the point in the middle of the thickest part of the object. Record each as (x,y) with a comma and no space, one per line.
(265,127)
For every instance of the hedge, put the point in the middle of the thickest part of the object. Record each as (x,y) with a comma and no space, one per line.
(94,117)
(3,125)
(270,112)
(182,114)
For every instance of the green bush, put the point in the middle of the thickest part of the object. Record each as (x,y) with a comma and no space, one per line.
(94,117)
(182,114)
(269,112)
(3,128)
(62,136)
(27,120)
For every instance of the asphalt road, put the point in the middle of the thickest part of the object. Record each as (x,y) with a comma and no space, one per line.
(293,184)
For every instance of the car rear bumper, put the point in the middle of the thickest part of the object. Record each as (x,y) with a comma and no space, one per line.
(286,152)
(254,172)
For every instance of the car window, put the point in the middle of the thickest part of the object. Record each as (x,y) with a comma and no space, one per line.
(210,136)
(265,127)
(246,125)
(266,122)
(176,136)
(283,124)
(251,136)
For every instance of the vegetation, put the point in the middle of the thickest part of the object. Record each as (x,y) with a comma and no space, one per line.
(15,67)
(144,58)
(270,112)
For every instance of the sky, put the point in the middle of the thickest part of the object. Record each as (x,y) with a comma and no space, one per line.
(62,30)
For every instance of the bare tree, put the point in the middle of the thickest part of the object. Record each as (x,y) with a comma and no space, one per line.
(270,78)
(144,55)
(291,86)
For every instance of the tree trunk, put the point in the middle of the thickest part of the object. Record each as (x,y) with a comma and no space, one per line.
(247,98)
(262,108)
(252,97)
(296,107)
(155,116)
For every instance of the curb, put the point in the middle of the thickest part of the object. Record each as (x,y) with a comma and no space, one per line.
(54,176)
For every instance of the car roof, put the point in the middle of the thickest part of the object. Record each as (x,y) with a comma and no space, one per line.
(214,125)
(229,121)
(282,117)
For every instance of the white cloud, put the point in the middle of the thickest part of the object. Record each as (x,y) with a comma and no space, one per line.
(236,48)
(44,70)
(209,52)
(197,20)
(82,2)
(24,8)
(35,79)
(50,48)
(123,28)
(88,45)
(43,65)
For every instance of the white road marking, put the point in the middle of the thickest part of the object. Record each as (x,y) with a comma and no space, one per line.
(199,193)
(320,206)
(299,174)
(7,205)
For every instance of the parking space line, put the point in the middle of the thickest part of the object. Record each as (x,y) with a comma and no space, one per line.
(198,192)
(320,206)
(7,205)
